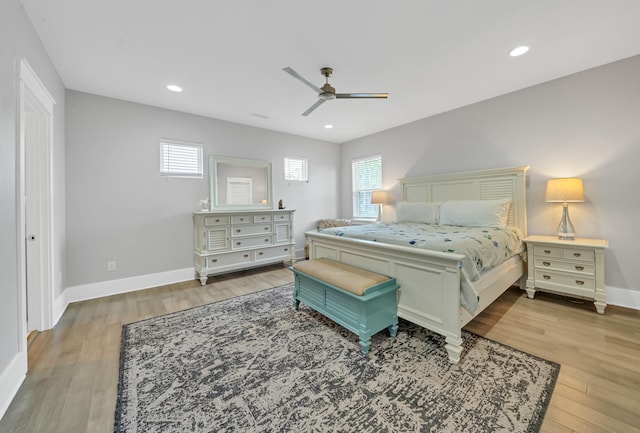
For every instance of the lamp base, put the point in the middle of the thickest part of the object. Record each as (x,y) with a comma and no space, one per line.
(565,228)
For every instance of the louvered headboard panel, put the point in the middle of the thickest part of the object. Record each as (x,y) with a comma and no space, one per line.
(473,185)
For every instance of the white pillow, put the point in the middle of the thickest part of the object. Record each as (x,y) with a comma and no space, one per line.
(418,212)
(475,213)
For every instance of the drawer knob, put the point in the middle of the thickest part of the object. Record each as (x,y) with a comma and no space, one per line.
(286,249)
(547,251)
(217,221)
(580,268)
(214,260)
(546,277)
(260,253)
(245,256)
(238,243)
(266,228)
(241,219)
(580,283)
(546,263)
(238,231)
(266,240)
(576,254)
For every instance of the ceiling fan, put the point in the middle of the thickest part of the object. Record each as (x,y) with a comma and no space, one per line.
(327,92)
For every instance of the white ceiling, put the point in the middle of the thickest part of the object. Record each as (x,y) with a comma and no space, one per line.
(429,55)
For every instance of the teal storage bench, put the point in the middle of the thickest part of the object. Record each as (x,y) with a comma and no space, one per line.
(362,301)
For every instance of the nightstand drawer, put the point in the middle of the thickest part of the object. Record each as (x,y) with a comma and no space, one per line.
(543,263)
(547,251)
(575,282)
(575,254)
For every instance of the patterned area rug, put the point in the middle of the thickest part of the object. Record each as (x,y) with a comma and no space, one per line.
(254,364)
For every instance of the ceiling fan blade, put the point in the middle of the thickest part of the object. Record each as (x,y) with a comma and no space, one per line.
(294,74)
(314,106)
(362,95)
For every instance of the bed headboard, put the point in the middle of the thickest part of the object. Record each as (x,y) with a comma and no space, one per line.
(473,185)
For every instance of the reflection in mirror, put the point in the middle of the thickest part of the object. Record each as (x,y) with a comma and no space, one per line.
(237,183)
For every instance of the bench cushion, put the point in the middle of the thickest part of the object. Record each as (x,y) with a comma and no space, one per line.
(346,277)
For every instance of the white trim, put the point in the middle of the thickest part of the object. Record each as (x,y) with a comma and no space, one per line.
(124,285)
(623,297)
(11,379)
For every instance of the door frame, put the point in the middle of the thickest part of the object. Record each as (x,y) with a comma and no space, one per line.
(29,83)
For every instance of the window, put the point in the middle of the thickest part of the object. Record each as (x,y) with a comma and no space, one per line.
(180,159)
(296,169)
(366,175)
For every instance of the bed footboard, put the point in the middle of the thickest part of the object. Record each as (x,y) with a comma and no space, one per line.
(429,293)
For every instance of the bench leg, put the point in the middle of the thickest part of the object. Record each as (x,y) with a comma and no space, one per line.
(393,329)
(296,303)
(365,343)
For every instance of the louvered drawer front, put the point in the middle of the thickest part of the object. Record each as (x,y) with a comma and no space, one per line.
(250,230)
(217,239)
(216,220)
(270,253)
(575,254)
(230,259)
(283,233)
(241,219)
(547,251)
(262,218)
(578,267)
(575,282)
(281,217)
(251,242)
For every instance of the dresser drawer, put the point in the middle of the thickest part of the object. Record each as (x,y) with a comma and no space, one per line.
(576,254)
(248,230)
(262,218)
(281,217)
(555,264)
(216,220)
(254,241)
(241,219)
(274,252)
(547,251)
(578,282)
(229,259)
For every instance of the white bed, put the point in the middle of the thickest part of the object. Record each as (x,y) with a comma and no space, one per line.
(429,293)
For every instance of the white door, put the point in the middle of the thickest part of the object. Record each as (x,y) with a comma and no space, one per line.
(35,185)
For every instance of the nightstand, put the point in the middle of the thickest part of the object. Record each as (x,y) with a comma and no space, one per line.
(573,268)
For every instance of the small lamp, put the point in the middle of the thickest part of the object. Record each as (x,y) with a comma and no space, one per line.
(565,190)
(379,198)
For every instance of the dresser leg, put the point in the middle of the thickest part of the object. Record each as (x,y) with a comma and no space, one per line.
(203,279)
(600,306)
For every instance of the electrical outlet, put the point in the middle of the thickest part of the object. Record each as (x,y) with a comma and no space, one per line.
(111,266)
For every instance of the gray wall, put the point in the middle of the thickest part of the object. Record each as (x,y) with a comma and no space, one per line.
(119,208)
(585,125)
(18,40)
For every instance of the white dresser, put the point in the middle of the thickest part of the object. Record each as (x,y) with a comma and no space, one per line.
(570,267)
(233,240)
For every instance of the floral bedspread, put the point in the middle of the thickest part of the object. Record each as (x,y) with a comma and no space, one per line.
(482,247)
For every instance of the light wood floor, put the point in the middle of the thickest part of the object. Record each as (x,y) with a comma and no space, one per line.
(73,369)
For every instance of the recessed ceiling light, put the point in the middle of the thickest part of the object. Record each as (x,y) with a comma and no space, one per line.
(519,51)
(174,88)
(328,126)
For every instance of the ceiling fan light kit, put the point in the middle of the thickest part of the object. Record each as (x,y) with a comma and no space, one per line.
(327,92)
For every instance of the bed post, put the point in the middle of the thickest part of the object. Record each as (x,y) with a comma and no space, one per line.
(454,347)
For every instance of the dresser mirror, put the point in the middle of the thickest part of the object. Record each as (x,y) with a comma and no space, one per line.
(239,184)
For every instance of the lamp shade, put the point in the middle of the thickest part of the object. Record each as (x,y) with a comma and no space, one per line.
(566,189)
(378,197)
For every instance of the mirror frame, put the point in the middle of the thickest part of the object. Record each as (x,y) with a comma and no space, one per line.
(214,160)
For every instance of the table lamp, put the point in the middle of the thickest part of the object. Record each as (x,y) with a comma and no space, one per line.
(379,198)
(565,190)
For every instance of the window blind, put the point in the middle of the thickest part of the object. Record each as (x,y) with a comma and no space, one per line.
(296,169)
(366,175)
(179,159)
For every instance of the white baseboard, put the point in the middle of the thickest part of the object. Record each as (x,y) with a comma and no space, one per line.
(11,379)
(113,287)
(623,297)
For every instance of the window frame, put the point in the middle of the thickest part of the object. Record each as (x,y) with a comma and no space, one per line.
(372,215)
(305,168)
(168,168)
